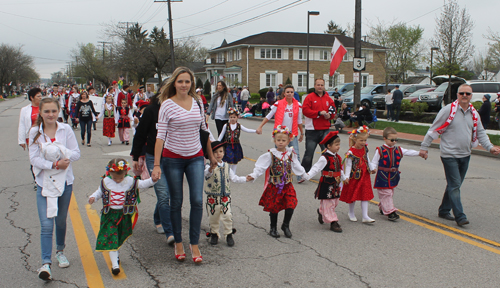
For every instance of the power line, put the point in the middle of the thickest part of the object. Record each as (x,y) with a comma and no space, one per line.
(45,40)
(145,11)
(137,12)
(156,13)
(45,20)
(425,14)
(49,59)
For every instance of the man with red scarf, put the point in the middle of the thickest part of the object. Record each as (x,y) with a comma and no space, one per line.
(287,112)
(460,128)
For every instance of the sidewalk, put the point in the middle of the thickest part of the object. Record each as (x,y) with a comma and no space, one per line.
(410,138)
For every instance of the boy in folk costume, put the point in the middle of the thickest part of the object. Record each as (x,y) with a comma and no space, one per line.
(122,117)
(218,196)
(328,191)
(388,158)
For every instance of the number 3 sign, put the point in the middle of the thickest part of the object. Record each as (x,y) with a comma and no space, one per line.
(359,64)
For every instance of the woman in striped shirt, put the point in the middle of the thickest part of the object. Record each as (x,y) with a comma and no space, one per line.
(181,118)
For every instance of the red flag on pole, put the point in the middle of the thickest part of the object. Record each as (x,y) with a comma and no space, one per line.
(338,52)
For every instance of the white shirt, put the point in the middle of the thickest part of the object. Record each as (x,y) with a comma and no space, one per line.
(121,187)
(108,106)
(265,161)
(137,97)
(288,117)
(65,136)
(24,124)
(388,99)
(232,176)
(406,152)
(322,161)
(220,112)
(233,126)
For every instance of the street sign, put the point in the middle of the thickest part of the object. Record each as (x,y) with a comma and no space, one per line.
(359,64)
(355,77)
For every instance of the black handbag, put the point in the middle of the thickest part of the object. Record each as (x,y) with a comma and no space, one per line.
(204,135)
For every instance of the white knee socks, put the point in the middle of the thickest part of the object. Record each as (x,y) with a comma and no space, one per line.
(233,167)
(351,210)
(113,255)
(364,210)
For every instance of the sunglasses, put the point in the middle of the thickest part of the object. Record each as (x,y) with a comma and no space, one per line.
(393,140)
(464,93)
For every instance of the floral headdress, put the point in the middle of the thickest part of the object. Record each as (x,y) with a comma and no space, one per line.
(361,129)
(282,129)
(231,110)
(120,166)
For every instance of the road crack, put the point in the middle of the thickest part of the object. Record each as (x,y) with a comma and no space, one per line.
(135,256)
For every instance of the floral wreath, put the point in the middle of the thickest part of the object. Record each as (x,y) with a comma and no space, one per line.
(231,110)
(281,129)
(361,129)
(122,166)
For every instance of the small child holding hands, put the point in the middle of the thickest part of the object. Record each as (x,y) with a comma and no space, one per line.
(387,158)
(328,191)
(279,193)
(356,164)
(120,196)
(218,195)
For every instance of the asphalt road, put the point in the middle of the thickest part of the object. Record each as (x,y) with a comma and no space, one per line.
(420,250)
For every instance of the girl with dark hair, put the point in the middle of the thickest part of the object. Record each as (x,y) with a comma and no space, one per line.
(219,105)
(85,110)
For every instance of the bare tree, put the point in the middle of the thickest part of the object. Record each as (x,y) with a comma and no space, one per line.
(15,67)
(90,65)
(453,37)
(494,47)
(482,65)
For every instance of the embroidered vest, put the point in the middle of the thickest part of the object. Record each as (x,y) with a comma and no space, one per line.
(280,114)
(232,136)
(329,187)
(109,113)
(131,197)
(218,183)
(356,164)
(278,167)
(389,158)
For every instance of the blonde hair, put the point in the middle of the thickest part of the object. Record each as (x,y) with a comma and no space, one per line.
(354,136)
(169,89)
(389,130)
(115,161)
(39,119)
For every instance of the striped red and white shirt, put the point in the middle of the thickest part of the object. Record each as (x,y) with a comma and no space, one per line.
(182,127)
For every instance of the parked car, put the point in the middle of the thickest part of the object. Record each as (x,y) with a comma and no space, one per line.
(343,88)
(479,89)
(367,94)
(407,89)
(414,96)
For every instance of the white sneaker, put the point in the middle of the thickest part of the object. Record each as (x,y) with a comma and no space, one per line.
(44,272)
(369,220)
(63,261)
(352,218)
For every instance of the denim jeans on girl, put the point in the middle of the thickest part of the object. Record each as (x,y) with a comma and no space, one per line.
(162,210)
(193,169)
(47,224)
(86,126)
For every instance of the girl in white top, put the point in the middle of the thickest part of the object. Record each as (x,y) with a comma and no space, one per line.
(230,134)
(45,132)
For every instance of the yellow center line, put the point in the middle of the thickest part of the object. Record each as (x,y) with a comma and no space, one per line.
(95,222)
(92,272)
(455,230)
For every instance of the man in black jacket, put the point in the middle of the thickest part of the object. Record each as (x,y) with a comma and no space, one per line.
(485,111)
(397,98)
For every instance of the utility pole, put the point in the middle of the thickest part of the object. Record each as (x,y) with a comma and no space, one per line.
(127,23)
(357,51)
(103,47)
(171,32)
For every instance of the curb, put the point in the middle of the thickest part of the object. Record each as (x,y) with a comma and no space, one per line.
(409,141)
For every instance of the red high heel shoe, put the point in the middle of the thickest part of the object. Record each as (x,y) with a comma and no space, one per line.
(179,257)
(196,260)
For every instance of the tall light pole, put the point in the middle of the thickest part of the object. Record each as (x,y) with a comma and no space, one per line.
(357,51)
(309,13)
(432,55)
(171,32)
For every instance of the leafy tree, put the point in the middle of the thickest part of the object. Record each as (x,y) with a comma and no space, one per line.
(288,81)
(453,37)
(199,83)
(333,28)
(90,64)
(207,88)
(15,67)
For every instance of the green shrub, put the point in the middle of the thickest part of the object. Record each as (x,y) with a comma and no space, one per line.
(207,88)
(477,104)
(288,81)
(255,96)
(418,108)
(263,92)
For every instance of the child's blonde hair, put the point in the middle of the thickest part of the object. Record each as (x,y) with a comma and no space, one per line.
(118,166)
(354,136)
(389,130)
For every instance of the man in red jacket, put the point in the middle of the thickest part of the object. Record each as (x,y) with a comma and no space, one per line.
(318,108)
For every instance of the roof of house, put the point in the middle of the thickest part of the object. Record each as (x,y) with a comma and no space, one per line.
(296,39)
(196,66)
(415,79)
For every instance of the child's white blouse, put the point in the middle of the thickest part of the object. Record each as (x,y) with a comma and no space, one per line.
(119,190)
(233,126)
(265,161)
(348,164)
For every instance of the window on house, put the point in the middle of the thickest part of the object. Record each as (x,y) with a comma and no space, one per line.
(220,57)
(346,56)
(333,81)
(324,54)
(270,80)
(364,80)
(302,80)
(302,54)
(238,54)
(230,55)
(268,53)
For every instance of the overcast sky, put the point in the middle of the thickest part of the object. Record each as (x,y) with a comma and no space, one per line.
(31,23)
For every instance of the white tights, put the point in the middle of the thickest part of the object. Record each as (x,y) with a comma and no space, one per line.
(364,210)
(114,256)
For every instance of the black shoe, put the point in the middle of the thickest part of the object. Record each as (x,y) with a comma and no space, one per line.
(335,227)
(123,142)
(381,212)
(320,217)
(115,271)
(393,216)
(126,143)
(274,232)
(214,239)
(230,240)
(447,216)
(463,222)
(286,230)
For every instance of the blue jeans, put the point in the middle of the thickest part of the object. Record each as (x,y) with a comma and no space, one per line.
(295,144)
(86,126)
(162,210)
(390,112)
(454,170)
(243,105)
(194,170)
(47,224)
(313,137)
